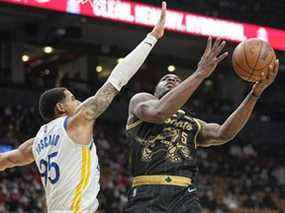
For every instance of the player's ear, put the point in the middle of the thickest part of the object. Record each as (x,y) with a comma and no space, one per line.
(60,108)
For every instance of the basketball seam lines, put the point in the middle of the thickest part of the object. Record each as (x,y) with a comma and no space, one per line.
(246,60)
(257,59)
(244,71)
(240,67)
(266,64)
(245,55)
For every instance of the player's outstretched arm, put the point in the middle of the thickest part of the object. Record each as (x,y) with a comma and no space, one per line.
(80,125)
(124,71)
(215,134)
(19,157)
(151,109)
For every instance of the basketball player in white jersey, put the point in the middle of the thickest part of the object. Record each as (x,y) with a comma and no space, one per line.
(63,148)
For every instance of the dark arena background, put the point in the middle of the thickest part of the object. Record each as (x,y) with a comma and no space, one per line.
(48,43)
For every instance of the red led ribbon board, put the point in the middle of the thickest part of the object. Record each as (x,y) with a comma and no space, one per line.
(146,15)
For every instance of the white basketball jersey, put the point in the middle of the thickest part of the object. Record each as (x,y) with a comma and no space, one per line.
(69,171)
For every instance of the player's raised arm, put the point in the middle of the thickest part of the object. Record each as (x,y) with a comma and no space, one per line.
(22,156)
(149,108)
(215,134)
(123,72)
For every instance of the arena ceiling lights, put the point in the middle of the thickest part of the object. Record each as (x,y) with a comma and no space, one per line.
(147,15)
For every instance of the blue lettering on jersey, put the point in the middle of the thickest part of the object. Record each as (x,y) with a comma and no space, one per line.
(50,140)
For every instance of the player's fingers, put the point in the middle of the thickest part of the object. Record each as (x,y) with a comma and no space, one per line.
(219,48)
(272,74)
(263,76)
(276,66)
(209,46)
(163,6)
(222,57)
(217,43)
(163,13)
(271,68)
(270,71)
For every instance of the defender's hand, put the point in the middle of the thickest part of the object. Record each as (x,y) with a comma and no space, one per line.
(158,30)
(211,57)
(260,86)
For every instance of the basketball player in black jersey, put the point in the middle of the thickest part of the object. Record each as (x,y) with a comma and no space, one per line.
(164,138)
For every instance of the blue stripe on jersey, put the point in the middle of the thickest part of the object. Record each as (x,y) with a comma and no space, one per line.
(65,123)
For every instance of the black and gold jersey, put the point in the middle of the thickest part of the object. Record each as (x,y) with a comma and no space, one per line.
(164,149)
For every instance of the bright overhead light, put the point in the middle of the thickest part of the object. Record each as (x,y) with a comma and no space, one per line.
(171,68)
(99,68)
(48,50)
(120,60)
(25,58)
(47,71)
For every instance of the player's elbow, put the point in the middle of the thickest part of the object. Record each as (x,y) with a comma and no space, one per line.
(225,136)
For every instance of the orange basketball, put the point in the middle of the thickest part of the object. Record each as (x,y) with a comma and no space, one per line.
(251,59)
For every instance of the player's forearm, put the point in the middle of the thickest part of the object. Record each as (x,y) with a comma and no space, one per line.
(10,160)
(4,163)
(125,70)
(119,77)
(232,126)
(98,103)
(176,98)
(18,157)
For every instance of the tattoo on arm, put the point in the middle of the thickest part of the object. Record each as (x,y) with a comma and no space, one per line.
(97,104)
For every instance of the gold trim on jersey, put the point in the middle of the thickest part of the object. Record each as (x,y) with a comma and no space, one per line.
(181,111)
(85,176)
(187,117)
(161,180)
(198,131)
(134,124)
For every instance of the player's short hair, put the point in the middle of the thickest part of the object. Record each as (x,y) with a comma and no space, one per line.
(48,101)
